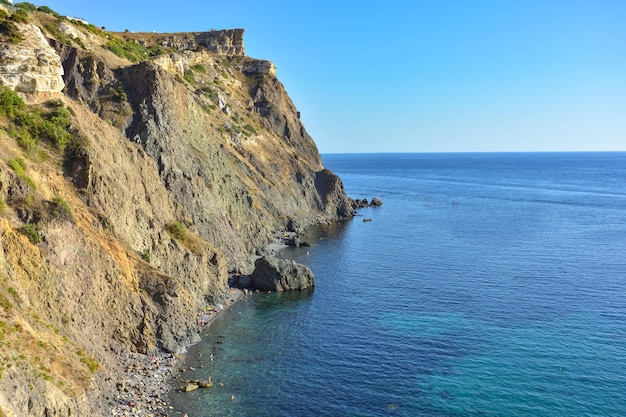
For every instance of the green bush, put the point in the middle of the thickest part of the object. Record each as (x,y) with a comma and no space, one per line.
(75,149)
(119,94)
(59,208)
(177,230)
(8,27)
(30,231)
(26,6)
(46,9)
(10,102)
(133,51)
(199,68)
(20,16)
(24,139)
(19,167)
(190,78)
(33,124)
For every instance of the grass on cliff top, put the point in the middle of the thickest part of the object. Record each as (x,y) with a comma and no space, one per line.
(133,50)
(20,15)
(8,27)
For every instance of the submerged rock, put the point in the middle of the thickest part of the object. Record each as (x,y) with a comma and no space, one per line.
(274,274)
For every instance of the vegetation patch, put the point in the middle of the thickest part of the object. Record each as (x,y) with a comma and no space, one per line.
(31,232)
(54,31)
(60,209)
(46,9)
(191,241)
(8,25)
(19,167)
(132,50)
(199,68)
(177,230)
(10,103)
(91,362)
(119,94)
(30,124)
(189,77)
(26,7)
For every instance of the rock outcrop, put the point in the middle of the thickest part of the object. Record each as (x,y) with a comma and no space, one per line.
(362,202)
(275,274)
(222,42)
(126,201)
(32,66)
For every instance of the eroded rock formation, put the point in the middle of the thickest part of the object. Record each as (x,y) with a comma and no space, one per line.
(153,181)
(275,274)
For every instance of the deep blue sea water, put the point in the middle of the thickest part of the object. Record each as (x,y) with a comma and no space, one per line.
(485,285)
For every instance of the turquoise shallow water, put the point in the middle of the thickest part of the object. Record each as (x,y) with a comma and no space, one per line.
(486,284)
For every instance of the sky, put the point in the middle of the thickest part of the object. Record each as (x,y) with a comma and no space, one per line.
(423,75)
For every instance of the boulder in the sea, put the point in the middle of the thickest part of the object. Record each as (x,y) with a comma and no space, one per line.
(189,387)
(376,202)
(275,274)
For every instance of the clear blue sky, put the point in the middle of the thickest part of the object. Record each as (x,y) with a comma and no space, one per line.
(423,75)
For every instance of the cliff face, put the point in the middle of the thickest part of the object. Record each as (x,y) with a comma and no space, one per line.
(125,202)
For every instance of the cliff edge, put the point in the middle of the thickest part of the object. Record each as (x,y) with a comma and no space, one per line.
(136,172)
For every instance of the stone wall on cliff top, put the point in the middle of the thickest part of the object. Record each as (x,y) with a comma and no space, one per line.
(222,42)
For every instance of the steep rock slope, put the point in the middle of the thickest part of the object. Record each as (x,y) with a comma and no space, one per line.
(126,200)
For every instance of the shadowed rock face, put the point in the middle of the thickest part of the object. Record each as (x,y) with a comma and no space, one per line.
(179,168)
(274,274)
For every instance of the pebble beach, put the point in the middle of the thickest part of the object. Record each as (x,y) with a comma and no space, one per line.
(145,380)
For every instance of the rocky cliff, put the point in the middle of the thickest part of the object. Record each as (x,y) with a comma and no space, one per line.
(136,171)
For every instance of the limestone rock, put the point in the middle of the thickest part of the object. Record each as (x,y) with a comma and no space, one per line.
(259,67)
(222,42)
(275,274)
(31,66)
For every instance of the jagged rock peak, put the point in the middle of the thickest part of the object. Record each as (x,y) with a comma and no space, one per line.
(222,42)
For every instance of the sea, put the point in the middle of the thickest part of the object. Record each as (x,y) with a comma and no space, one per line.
(487,284)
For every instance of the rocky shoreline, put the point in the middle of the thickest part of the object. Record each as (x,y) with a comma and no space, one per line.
(144,381)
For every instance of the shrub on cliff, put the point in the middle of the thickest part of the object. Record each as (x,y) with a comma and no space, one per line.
(60,209)
(19,167)
(46,9)
(10,102)
(30,231)
(26,6)
(30,124)
(133,51)
(177,230)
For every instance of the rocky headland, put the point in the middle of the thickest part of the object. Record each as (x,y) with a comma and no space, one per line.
(137,173)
